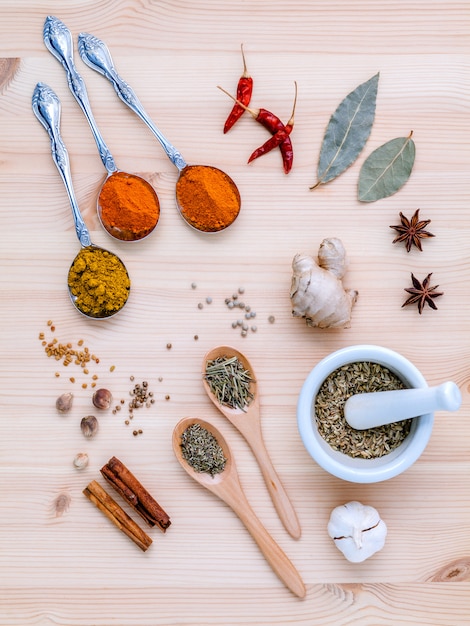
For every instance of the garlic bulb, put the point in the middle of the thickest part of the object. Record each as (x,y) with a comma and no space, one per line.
(357,531)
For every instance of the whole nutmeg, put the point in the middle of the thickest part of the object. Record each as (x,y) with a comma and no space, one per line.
(81,460)
(89,426)
(64,402)
(102,398)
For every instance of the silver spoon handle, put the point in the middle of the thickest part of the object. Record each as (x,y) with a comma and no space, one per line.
(58,41)
(96,55)
(46,107)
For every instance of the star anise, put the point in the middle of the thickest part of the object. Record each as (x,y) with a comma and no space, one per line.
(422,293)
(412,231)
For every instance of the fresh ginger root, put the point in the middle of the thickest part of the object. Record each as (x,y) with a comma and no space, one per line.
(317,291)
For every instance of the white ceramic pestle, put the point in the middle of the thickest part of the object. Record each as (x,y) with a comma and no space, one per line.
(368,410)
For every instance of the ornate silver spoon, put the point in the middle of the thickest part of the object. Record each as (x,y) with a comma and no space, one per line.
(46,107)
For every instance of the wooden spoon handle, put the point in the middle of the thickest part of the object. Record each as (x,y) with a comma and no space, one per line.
(272,552)
(278,494)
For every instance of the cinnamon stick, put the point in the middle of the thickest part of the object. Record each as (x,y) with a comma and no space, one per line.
(111,509)
(134,493)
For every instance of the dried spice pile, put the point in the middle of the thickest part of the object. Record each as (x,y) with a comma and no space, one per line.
(70,354)
(202,450)
(353,378)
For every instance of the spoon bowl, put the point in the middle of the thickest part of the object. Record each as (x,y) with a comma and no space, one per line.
(226,485)
(47,108)
(247,421)
(194,181)
(58,40)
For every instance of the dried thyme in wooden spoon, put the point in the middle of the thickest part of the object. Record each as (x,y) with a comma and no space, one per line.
(229,381)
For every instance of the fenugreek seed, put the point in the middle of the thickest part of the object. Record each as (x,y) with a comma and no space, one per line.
(49,322)
(112,368)
(72,379)
(57,374)
(80,342)
(85,371)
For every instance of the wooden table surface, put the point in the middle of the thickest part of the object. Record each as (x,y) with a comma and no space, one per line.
(61,561)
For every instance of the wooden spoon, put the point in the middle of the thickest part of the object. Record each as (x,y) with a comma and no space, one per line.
(249,424)
(226,485)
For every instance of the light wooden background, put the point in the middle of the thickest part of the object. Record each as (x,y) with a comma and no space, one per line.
(73,567)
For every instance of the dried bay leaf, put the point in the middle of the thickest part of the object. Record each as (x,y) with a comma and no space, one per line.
(347,131)
(386,169)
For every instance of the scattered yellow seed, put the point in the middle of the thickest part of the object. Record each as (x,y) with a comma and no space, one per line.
(80,342)
(95,377)
(85,371)
(41,335)
(84,385)
(72,379)
(112,368)
(57,374)
(49,322)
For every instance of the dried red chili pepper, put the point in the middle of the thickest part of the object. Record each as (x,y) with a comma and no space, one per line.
(275,125)
(267,119)
(287,154)
(280,138)
(244,91)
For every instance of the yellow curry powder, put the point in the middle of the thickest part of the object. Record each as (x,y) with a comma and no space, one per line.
(129,206)
(99,282)
(208,198)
